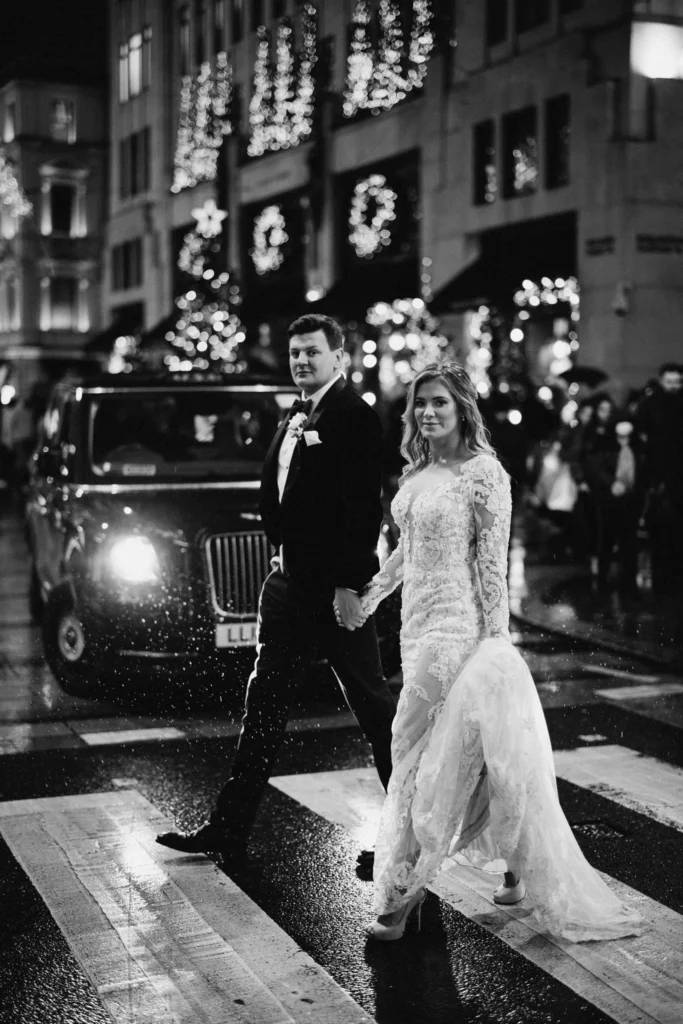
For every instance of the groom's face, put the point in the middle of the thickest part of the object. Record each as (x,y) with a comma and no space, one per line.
(312,362)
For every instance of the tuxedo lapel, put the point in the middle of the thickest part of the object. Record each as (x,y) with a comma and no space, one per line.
(269,493)
(328,399)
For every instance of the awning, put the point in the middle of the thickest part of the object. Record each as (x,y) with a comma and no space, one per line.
(126,321)
(533,249)
(353,294)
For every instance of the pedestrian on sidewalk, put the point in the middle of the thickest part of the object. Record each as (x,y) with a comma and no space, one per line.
(659,424)
(321,510)
(473,771)
(612,473)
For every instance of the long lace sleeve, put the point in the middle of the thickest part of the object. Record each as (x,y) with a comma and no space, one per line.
(383,582)
(492,515)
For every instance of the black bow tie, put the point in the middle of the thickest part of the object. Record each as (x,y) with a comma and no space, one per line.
(300,406)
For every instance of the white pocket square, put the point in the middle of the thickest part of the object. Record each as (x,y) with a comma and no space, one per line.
(311,437)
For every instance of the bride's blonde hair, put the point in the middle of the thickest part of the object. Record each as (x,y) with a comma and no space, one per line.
(414,447)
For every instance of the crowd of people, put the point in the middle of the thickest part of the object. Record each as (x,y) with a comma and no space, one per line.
(613,482)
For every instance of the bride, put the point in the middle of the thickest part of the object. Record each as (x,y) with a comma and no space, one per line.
(473,770)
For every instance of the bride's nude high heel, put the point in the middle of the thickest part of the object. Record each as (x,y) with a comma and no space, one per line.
(389,932)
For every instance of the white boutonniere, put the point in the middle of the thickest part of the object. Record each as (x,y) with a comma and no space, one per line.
(296,424)
(312,437)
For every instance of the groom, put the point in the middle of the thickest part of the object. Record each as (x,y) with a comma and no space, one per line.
(320,506)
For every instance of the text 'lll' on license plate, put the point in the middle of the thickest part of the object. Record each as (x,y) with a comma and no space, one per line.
(236,634)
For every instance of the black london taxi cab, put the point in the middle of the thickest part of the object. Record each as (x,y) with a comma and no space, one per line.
(146,543)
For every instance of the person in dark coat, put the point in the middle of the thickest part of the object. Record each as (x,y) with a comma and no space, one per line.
(611,473)
(321,510)
(659,424)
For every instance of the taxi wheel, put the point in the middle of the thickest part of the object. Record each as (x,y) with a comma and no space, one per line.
(65,644)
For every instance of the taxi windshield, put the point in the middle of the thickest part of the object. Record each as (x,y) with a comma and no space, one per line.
(193,434)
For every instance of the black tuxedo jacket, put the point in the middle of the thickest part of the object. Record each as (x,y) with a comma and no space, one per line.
(330,515)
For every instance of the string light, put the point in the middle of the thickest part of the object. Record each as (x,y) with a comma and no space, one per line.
(549,292)
(378,79)
(368,237)
(203,121)
(12,196)
(269,236)
(408,323)
(283,97)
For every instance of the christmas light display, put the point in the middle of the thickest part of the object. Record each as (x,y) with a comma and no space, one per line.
(207,332)
(269,236)
(378,79)
(369,236)
(283,95)
(12,197)
(548,293)
(203,121)
(409,340)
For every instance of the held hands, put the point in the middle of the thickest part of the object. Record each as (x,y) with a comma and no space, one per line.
(348,609)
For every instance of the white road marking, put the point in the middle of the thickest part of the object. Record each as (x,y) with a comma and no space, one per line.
(639,692)
(618,673)
(634,980)
(103,739)
(641,783)
(163,936)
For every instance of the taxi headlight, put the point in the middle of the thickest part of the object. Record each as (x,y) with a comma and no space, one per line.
(134,560)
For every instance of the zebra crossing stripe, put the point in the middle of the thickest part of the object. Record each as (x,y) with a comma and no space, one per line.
(634,980)
(641,783)
(163,936)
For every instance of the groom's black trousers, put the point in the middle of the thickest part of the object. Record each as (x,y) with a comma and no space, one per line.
(293,630)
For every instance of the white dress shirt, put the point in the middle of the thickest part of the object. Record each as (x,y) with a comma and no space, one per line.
(289,440)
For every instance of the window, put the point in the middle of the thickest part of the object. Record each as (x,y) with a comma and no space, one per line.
(146,56)
(134,163)
(63,121)
(279,8)
(237,20)
(218,26)
(135,64)
(496,22)
(520,153)
(531,14)
(485,176)
(184,18)
(569,6)
(63,304)
(557,139)
(9,304)
(123,73)
(62,202)
(200,34)
(127,265)
(255,14)
(10,125)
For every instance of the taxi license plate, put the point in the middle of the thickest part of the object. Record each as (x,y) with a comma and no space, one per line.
(236,634)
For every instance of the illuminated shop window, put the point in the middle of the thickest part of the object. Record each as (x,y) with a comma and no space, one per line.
(520,153)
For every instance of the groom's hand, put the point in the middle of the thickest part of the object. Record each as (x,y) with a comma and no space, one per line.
(348,609)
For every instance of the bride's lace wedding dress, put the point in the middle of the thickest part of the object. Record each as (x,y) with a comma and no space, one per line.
(473,768)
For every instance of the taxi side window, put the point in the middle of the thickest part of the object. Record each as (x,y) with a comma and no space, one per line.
(54,453)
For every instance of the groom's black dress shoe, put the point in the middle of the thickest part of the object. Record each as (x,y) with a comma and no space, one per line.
(365,863)
(207,839)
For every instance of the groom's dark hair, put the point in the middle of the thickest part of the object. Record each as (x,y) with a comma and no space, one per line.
(318,322)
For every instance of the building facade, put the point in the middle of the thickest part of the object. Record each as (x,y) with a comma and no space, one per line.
(490,161)
(54,141)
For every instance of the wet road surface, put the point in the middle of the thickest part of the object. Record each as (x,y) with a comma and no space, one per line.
(100,923)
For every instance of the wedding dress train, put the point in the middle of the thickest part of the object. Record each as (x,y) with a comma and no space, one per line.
(473,770)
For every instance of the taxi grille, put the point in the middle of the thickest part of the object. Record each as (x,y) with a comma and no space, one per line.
(238,565)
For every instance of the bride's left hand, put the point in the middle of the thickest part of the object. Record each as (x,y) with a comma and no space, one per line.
(348,609)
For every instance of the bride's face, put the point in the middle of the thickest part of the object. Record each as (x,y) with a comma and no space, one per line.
(436,412)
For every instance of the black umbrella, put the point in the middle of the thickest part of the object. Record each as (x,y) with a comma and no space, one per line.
(588,375)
